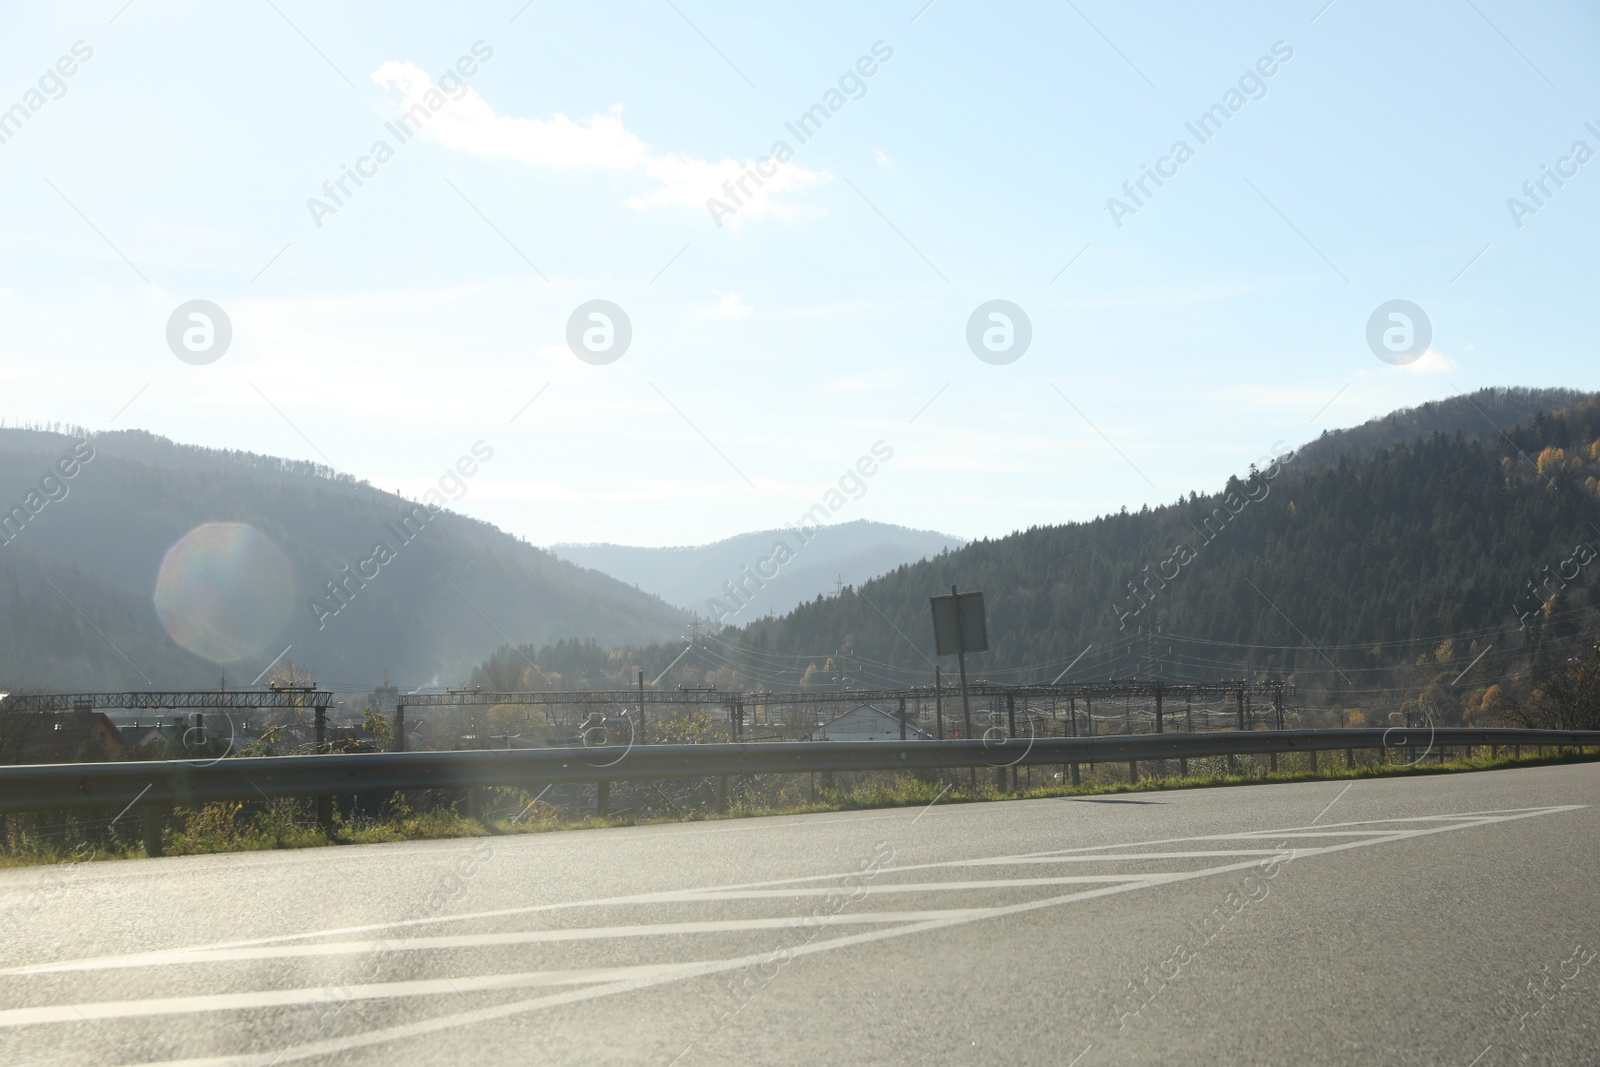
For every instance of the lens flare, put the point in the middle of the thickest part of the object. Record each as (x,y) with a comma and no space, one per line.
(224,591)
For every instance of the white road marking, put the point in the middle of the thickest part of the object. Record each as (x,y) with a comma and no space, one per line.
(1336,799)
(282,998)
(1257,836)
(189,957)
(680,972)
(1088,852)
(692,895)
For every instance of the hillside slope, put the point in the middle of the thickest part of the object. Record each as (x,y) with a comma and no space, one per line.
(448,590)
(1330,573)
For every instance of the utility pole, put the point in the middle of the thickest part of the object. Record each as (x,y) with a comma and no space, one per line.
(1011,732)
(938,703)
(641,703)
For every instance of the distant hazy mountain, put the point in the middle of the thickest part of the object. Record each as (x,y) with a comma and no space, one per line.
(691,577)
(1473,415)
(438,595)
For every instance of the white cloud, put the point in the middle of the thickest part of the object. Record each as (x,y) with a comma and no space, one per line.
(468,124)
(731,306)
(1431,361)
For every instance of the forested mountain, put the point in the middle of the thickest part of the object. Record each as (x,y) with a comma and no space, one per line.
(86,603)
(1363,581)
(690,577)
(1481,414)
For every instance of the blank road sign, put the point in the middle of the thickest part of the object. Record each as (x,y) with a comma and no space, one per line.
(966,632)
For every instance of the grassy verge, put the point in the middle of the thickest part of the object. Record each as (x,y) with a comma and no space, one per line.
(288,823)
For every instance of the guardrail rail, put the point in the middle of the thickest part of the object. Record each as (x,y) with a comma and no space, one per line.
(157,786)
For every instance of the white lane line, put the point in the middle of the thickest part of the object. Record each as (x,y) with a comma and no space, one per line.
(1288,831)
(285,998)
(693,895)
(1340,797)
(437,1024)
(1253,835)
(1023,861)
(489,940)
(672,896)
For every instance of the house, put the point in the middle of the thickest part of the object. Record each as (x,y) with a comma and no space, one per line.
(64,737)
(868,722)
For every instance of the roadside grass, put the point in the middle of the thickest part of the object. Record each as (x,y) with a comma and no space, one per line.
(289,823)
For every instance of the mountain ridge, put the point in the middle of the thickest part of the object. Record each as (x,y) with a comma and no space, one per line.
(456,589)
(698,577)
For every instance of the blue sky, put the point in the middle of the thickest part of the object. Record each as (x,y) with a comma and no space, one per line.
(830,312)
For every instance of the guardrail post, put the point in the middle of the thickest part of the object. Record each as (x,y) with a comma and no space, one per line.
(602,798)
(1183,767)
(1272,763)
(1075,780)
(1313,754)
(1088,723)
(324,802)
(1133,770)
(1349,757)
(155,820)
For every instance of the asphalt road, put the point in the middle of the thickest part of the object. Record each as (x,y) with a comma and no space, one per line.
(1441,920)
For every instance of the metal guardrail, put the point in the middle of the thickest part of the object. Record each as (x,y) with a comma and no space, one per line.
(162,784)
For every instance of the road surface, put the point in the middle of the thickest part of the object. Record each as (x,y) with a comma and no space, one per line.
(1431,920)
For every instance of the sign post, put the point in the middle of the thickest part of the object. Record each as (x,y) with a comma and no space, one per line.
(959,627)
